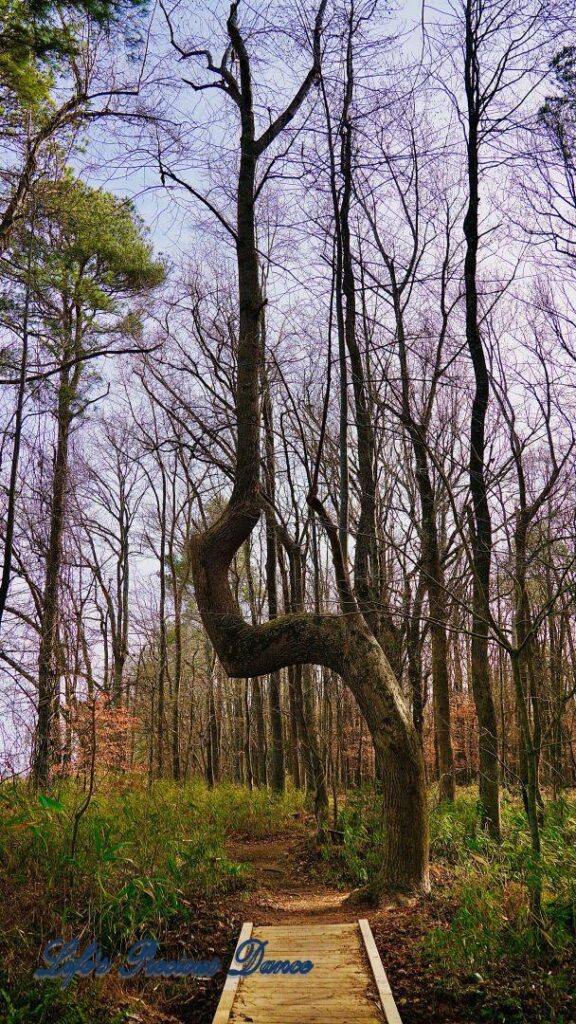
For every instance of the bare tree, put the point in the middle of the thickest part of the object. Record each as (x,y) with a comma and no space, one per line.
(344,643)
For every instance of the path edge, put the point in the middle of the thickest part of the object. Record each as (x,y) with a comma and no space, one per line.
(380,977)
(222,1015)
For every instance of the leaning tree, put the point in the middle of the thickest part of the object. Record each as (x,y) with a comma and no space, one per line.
(343,642)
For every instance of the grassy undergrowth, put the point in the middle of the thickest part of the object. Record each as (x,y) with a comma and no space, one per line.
(479,936)
(491,883)
(154,862)
(145,863)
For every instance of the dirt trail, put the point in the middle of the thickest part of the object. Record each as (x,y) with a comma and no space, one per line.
(284,891)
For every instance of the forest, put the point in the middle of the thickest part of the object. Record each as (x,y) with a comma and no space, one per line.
(287,496)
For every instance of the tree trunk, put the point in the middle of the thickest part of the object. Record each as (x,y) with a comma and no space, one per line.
(482,532)
(306,724)
(344,642)
(47,656)
(277,776)
(431,564)
(162,636)
(261,742)
(294,730)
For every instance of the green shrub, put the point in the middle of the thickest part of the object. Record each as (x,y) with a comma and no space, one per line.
(453,827)
(141,857)
(47,1003)
(146,862)
(492,884)
(350,861)
(258,814)
(489,883)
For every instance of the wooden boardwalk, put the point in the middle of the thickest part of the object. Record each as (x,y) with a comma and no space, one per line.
(347,984)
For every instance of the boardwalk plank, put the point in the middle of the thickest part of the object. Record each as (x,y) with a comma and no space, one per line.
(380,977)
(347,985)
(222,1015)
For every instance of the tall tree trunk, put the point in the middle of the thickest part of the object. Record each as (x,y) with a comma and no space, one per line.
(47,656)
(177,597)
(162,634)
(261,741)
(123,590)
(482,527)
(213,749)
(16,445)
(307,726)
(414,654)
(431,563)
(294,731)
(257,694)
(275,688)
(177,682)
(249,772)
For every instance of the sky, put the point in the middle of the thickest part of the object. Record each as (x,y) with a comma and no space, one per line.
(111,156)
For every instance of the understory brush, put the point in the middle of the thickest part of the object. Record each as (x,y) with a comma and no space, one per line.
(483,901)
(143,860)
(138,859)
(491,885)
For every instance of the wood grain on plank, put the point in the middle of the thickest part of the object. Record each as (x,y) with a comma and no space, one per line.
(338,990)
(222,1015)
(380,976)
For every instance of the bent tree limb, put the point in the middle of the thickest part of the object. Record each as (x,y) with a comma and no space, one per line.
(341,642)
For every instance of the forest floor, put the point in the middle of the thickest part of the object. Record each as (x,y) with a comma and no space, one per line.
(288,889)
(189,865)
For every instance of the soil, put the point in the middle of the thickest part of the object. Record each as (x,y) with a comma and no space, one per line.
(286,889)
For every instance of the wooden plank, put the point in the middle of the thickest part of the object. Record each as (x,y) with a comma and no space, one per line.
(222,1015)
(336,991)
(380,977)
(311,929)
(346,1013)
(339,989)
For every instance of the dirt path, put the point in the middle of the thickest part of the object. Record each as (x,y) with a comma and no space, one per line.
(284,891)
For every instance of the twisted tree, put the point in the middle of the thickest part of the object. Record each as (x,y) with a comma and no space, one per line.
(342,642)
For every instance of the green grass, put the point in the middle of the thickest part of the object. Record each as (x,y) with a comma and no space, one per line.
(492,882)
(147,862)
(142,856)
(48,1004)
(155,862)
(488,882)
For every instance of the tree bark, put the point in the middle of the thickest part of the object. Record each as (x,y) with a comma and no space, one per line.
(344,642)
(261,741)
(277,776)
(489,782)
(48,674)
(431,563)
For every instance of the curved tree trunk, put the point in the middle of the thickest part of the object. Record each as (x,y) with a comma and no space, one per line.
(343,643)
